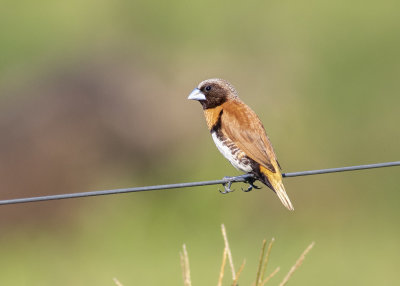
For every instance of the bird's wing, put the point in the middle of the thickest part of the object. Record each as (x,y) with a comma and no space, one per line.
(244,128)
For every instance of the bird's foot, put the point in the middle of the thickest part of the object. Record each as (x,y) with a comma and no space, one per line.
(227,186)
(250,181)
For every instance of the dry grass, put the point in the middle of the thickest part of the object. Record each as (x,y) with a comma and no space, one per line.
(270,276)
(117,282)
(185,267)
(235,282)
(222,271)
(262,265)
(297,264)
(265,263)
(261,269)
(228,250)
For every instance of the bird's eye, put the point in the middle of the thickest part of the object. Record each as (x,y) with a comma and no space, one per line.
(208,87)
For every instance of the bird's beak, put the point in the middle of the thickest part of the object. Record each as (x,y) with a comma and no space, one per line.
(196,94)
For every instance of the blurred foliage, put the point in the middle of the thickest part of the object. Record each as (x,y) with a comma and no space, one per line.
(93,96)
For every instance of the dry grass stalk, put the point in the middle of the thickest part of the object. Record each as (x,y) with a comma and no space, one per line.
(227,255)
(221,272)
(117,282)
(297,264)
(270,276)
(185,267)
(228,252)
(260,263)
(264,269)
(238,273)
(182,259)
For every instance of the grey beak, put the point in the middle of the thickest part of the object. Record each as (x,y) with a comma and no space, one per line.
(196,94)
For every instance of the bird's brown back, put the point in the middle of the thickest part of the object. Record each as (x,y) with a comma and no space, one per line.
(241,125)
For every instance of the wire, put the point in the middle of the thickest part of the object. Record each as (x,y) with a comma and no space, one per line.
(224,181)
(341,169)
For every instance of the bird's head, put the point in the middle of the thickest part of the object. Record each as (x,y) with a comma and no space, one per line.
(213,92)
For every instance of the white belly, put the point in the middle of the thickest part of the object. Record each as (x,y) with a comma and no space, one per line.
(231,152)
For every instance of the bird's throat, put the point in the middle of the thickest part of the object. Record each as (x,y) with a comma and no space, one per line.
(212,116)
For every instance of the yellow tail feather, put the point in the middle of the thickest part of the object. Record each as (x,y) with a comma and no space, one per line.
(275,179)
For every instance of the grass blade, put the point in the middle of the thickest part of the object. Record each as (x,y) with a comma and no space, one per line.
(297,264)
(260,264)
(228,251)
(221,272)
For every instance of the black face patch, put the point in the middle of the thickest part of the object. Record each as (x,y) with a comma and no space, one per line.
(216,94)
(217,125)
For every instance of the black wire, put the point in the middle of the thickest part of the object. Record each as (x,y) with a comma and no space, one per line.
(243,178)
(341,169)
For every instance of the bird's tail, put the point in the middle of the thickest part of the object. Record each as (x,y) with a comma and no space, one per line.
(274,181)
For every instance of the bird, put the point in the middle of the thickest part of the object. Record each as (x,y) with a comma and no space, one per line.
(239,135)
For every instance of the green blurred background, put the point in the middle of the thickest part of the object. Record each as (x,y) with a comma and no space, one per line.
(93,96)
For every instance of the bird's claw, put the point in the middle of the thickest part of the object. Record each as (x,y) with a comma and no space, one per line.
(250,181)
(227,186)
(251,186)
(248,189)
